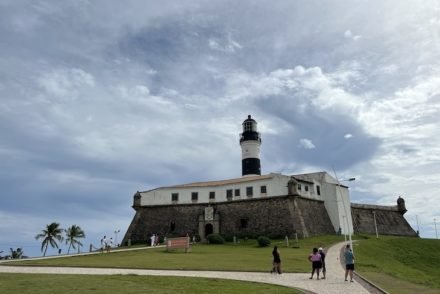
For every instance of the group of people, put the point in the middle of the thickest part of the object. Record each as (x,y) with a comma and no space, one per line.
(154,240)
(317,258)
(106,244)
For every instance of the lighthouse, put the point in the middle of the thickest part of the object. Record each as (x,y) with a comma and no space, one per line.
(250,142)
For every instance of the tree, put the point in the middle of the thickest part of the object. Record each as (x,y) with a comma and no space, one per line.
(16,254)
(50,235)
(72,235)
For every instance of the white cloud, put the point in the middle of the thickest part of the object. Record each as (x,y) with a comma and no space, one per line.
(63,83)
(306,144)
(349,35)
(227,45)
(348,136)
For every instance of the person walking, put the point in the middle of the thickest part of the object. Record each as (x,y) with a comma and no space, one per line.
(315,259)
(104,244)
(109,245)
(152,240)
(276,264)
(324,270)
(349,262)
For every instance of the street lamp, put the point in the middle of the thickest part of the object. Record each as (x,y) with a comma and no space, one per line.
(345,207)
(435,225)
(348,180)
(418,229)
(375,224)
(116,237)
(345,232)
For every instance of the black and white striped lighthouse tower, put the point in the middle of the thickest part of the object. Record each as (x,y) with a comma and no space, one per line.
(250,142)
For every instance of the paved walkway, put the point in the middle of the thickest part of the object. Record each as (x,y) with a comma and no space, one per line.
(334,282)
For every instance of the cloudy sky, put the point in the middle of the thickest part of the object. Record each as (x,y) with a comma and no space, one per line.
(99,99)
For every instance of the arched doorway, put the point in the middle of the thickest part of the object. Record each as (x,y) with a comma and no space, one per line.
(209,229)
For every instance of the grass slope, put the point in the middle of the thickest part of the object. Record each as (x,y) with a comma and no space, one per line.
(400,265)
(41,283)
(246,256)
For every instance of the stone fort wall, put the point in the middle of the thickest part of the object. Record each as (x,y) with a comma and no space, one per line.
(389,220)
(274,216)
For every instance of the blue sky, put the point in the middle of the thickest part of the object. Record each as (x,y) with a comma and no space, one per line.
(99,99)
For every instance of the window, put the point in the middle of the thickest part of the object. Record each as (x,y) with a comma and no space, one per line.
(211,195)
(175,197)
(244,223)
(263,189)
(229,194)
(299,187)
(248,126)
(318,190)
(237,192)
(306,188)
(194,196)
(249,191)
(172,226)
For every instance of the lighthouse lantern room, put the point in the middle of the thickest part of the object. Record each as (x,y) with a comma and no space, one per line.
(250,142)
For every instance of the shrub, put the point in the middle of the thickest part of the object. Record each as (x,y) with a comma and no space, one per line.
(276,236)
(263,241)
(215,239)
(228,237)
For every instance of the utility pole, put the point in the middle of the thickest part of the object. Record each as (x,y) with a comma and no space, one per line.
(435,225)
(375,224)
(418,229)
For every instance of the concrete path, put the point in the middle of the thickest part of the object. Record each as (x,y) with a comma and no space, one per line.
(334,282)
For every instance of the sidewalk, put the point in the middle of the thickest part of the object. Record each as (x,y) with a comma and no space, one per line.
(334,282)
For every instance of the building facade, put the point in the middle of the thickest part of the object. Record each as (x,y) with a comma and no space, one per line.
(273,205)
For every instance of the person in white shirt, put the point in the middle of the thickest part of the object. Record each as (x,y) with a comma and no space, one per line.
(152,240)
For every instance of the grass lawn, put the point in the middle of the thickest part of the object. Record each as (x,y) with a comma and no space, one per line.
(400,265)
(42,283)
(397,264)
(246,256)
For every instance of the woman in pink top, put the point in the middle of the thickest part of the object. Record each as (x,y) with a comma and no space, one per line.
(315,259)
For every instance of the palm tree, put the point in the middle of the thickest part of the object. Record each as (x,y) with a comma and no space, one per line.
(52,233)
(16,254)
(72,235)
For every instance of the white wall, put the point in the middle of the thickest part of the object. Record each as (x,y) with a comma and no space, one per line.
(336,198)
(275,186)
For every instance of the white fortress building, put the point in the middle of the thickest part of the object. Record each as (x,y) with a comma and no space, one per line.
(254,204)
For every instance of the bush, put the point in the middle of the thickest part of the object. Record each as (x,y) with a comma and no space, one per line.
(215,239)
(263,241)
(228,237)
(276,236)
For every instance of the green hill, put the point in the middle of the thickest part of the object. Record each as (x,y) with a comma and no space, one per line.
(400,264)
(397,264)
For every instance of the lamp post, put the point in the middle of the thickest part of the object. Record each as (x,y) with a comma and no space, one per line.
(435,225)
(345,232)
(116,237)
(375,224)
(345,207)
(418,229)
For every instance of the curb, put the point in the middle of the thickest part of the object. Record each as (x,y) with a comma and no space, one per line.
(371,284)
(367,284)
